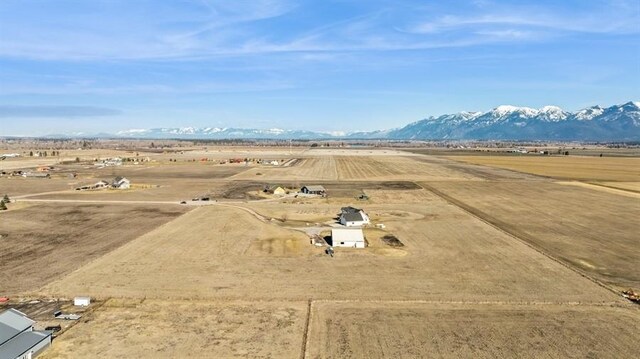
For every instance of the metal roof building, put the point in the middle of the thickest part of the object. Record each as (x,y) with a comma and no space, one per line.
(18,340)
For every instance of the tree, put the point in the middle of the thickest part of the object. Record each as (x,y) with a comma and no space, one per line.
(30,153)
(6,199)
(77,159)
(3,207)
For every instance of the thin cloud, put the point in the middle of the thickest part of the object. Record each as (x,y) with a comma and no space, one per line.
(612,18)
(12,111)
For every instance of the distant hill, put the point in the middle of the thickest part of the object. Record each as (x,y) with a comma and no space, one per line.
(615,123)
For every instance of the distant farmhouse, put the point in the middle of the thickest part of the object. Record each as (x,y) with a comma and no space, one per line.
(347,237)
(121,183)
(353,217)
(17,337)
(318,190)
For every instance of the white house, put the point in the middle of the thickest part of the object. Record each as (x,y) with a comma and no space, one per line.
(121,183)
(352,217)
(348,237)
(17,337)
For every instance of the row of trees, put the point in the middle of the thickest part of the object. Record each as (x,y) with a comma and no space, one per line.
(44,153)
(3,203)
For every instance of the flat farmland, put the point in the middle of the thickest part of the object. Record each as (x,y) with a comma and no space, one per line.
(494,262)
(182,329)
(436,330)
(592,230)
(19,186)
(173,171)
(308,168)
(587,168)
(40,243)
(394,168)
(221,252)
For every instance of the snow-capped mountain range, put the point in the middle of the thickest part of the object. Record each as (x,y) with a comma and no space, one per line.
(615,123)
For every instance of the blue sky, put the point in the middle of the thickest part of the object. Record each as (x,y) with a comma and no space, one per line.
(108,65)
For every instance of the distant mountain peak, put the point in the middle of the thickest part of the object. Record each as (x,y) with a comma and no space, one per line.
(505,110)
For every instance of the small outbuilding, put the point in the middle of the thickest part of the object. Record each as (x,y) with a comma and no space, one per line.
(276,190)
(36,175)
(348,237)
(317,190)
(81,301)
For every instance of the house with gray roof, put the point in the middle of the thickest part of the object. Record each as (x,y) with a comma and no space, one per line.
(353,217)
(18,340)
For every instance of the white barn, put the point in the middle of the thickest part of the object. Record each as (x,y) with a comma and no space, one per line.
(350,238)
(81,301)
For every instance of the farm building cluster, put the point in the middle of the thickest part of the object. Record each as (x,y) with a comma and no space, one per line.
(278,190)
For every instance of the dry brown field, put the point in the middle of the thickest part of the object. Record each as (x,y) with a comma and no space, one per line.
(496,261)
(592,230)
(186,329)
(43,242)
(19,186)
(230,253)
(622,169)
(307,168)
(394,168)
(436,330)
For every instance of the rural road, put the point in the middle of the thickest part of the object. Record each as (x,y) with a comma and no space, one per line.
(25,198)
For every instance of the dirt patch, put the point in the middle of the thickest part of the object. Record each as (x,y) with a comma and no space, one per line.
(391,240)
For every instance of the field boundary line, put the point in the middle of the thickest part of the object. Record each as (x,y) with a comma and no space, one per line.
(612,187)
(615,304)
(471,211)
(305,333)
